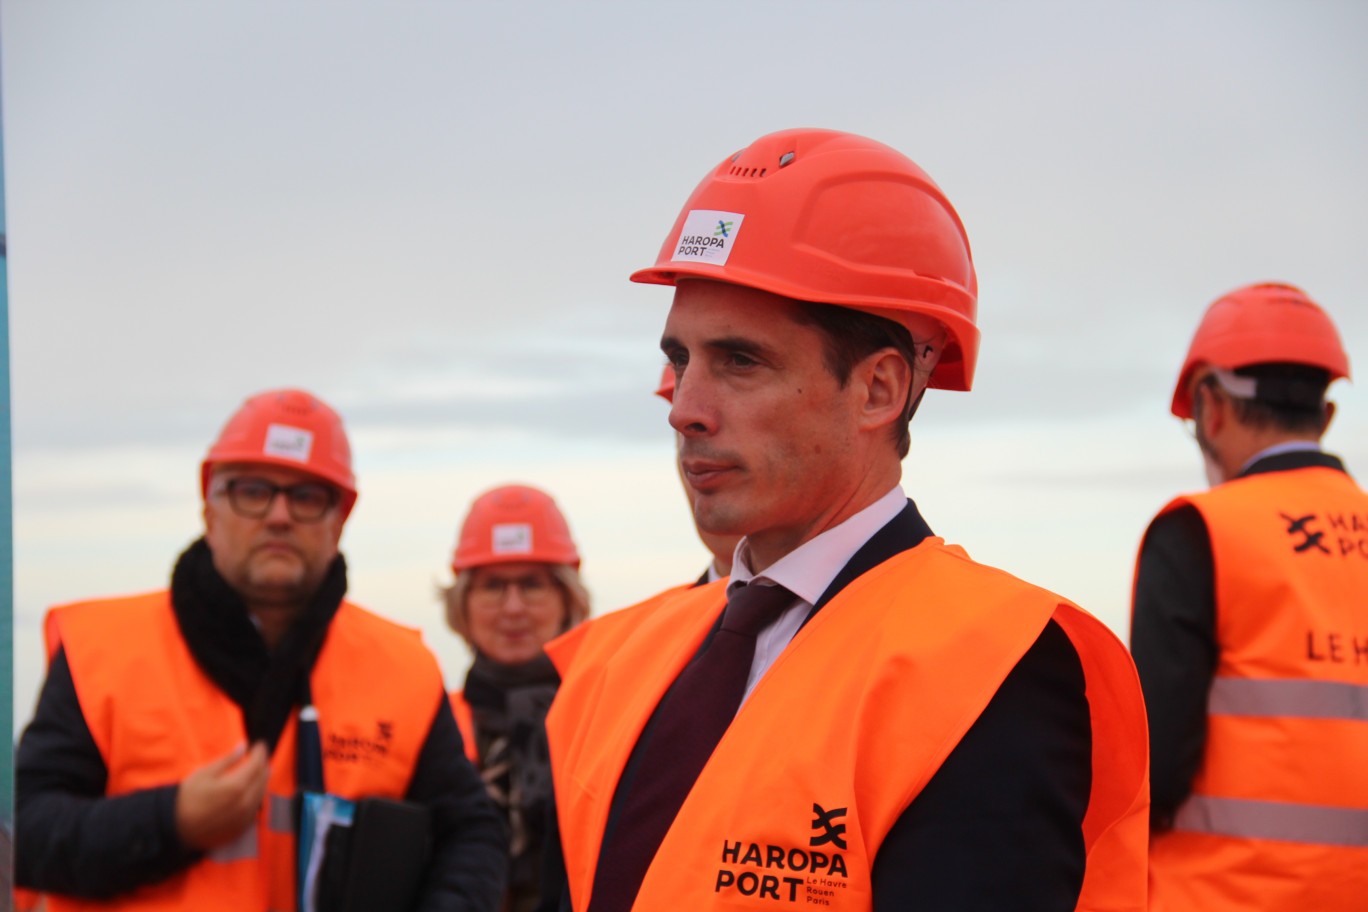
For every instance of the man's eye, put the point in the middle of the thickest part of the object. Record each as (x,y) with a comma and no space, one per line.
(737,359)
(253,490)
(309,496)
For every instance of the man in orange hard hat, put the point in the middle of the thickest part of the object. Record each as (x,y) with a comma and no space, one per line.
(182,736)
(1250,627)
(862,717)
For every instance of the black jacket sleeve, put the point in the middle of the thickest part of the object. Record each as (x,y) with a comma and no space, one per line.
(69,837)
(470,849)
(999,826)
(555,893)
(1173,642)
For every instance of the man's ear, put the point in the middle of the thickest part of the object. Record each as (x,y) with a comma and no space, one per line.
(1329,417)
(886,385)
(1214,410)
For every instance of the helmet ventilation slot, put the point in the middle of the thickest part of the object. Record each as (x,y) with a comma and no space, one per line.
(737,171)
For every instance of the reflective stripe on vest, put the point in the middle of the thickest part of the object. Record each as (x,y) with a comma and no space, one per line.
(280,814)
(1278,816)
(1306,699)
(927,669)
(1250,819)
(156,717)
(240,849)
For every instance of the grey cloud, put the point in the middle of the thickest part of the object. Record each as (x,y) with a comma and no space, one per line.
(33,499)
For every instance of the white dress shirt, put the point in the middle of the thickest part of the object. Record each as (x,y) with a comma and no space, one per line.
(1277,449)
(807,571)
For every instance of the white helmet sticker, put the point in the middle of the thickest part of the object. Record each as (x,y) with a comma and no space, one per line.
(511,538)
(707,236)
(288,442)
(1233,383)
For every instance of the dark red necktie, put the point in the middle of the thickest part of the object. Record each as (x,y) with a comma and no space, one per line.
(684,730)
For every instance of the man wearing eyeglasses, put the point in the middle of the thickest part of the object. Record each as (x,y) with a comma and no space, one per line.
(177,729)
(1250,627)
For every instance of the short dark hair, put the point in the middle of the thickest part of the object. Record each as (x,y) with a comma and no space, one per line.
(1287,397)
(848,337)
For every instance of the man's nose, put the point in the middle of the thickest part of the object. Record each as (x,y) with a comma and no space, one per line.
(514,599)
(278,510)
(690,413)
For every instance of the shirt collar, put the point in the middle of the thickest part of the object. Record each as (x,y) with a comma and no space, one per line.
(1277,449)
(808,570)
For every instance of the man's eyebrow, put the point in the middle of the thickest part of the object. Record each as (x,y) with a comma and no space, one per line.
(724,343)
(737,344)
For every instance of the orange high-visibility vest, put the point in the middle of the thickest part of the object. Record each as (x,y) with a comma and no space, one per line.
(26,900)
(465,721)
(839,736)
(562,649)
(156,717)
(1278,816)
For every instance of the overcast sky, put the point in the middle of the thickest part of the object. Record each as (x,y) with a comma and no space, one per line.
(426,214)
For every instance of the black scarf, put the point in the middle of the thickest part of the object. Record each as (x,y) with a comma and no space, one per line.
(509,703)
(214,623)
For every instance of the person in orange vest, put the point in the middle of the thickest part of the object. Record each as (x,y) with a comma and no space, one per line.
(1250,627)
(862,717)
(517,586)
(721,547)
(176,729)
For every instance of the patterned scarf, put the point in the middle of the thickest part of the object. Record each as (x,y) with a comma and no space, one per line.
(509,704)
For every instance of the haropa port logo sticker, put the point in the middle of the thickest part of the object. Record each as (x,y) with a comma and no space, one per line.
(708,236)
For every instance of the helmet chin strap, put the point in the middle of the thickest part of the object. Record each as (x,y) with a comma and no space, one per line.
(916,404)
(1211,463)
(927,347)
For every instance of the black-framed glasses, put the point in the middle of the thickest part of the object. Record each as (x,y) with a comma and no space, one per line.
(492,591)
(307,501)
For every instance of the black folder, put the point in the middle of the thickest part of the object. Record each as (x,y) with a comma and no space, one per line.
(378,863)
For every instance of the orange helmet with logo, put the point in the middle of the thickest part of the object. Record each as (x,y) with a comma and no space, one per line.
(289,428)
(667,384)
(1261,324)
(514,523)
(835,218)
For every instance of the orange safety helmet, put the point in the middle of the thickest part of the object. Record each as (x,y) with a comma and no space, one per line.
(835,218)
(667,384)
(290,428)
(514,523)
(1261,324)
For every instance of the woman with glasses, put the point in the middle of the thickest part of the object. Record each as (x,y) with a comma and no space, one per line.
(517,586)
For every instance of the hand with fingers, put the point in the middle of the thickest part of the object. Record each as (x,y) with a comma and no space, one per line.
(219,800)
